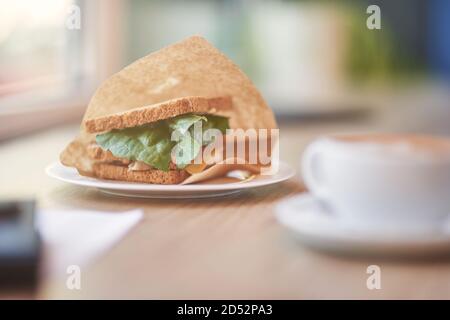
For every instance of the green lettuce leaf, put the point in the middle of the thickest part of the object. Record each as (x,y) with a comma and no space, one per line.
(186,150)
(214,122)
(184,122)
(148,143)
(152,143)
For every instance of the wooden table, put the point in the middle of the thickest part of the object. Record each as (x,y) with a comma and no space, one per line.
(228,247)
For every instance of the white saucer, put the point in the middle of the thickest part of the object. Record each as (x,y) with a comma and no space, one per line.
(143,190)
(313,225)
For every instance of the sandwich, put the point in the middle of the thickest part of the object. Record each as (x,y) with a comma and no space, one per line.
(136,145)
(128,128)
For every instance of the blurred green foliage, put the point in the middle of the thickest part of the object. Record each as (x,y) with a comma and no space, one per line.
(375,54)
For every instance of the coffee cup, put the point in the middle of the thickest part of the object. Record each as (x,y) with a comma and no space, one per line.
(382,178)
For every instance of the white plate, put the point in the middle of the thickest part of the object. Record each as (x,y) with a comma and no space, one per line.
(317,227)
(143,190)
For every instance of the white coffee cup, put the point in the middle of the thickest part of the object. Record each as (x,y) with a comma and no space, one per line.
(381,177)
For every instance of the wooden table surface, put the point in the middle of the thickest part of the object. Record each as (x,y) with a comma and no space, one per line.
(228,247)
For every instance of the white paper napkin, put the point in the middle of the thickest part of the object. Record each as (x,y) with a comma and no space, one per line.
(77,237)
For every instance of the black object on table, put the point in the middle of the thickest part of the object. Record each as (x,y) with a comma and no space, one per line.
(19,245)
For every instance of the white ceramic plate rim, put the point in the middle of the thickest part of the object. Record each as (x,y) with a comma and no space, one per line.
(70,175)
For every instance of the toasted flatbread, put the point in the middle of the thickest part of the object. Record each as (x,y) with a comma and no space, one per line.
(192,67)
(117,172)
(148,89)
(158,111)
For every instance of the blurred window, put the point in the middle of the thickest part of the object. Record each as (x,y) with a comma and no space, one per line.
(41,59)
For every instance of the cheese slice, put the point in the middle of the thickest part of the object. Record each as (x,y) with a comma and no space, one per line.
(195,168)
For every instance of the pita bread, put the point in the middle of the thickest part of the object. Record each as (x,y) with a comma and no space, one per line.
(115,172)
(192,67)
(160,111)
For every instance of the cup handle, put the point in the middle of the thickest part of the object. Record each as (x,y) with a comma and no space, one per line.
(312,170)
